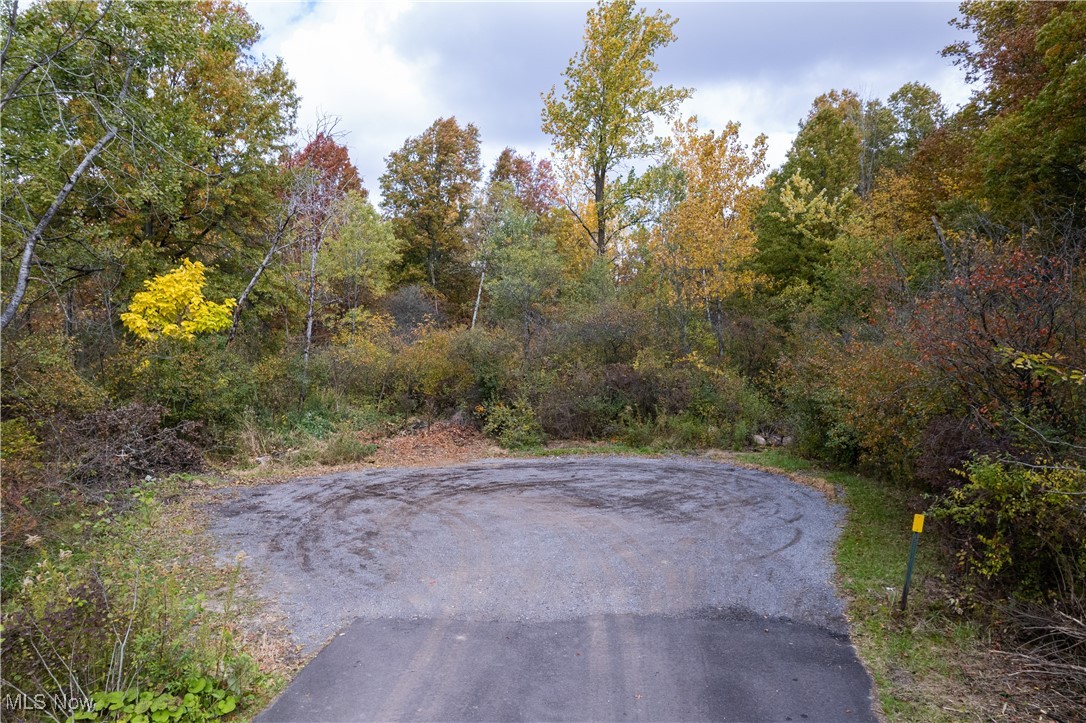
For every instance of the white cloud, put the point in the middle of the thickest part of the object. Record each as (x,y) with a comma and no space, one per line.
(345,66)
(776,107)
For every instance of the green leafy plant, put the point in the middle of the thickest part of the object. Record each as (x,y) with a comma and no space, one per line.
(1024,524)
(197,698)
(120,616)
(514,425)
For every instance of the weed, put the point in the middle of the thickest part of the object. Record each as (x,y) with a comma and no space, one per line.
(125,608)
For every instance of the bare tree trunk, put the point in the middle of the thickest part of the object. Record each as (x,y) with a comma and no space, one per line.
(601,218)
(478,298)
(272,251)
(309,313)
(39,230)
(245,294)
(432,260)
(947,256)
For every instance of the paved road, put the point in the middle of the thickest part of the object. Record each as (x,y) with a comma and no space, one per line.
(563,589)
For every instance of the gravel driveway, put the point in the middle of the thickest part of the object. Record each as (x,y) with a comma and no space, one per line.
(569,588)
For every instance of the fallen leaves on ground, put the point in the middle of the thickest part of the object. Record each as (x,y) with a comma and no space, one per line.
(434,445)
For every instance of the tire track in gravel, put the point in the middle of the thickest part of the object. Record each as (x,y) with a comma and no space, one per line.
(595,588)
(663,535)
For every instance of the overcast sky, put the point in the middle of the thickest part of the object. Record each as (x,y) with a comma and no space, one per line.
(388,70)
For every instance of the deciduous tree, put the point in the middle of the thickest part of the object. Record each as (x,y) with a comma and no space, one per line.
(604,118)
(705,238)
(533,180)
(328,176)
(427,192)
(131,130)
(1032,150)
(356,262)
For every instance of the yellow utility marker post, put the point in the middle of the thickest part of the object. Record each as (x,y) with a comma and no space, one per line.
(918,527)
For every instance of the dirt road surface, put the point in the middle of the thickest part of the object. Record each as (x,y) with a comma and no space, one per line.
(594,588)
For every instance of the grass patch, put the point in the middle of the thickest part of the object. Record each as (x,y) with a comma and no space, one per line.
(917,658)
(586,448)
(345,448)
(328,435)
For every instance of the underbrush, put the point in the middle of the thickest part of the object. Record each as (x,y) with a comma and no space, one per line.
(125,616)
(326,430)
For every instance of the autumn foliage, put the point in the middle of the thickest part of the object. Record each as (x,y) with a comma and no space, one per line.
(173,306)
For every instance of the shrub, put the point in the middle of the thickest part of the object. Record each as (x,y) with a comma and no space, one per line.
(1004,336)
(697,406)
(359,360)
(118,612)
(40,380)
(681,431)
(492,357)
(514,426)
(948,443)
(606,333)
(278,382)
(194,381)
(575,402)
(21,462)
(429,375)
(861,403)
(752,344)
(414,310)
(173,305)
(1023,524)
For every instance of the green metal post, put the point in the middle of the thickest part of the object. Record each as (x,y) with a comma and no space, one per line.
(909,570)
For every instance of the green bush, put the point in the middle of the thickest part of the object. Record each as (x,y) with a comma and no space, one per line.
(195,381)
(429,376)
(358,362)
(1023,525)
(493,358)
(575,401)
(278,380)
(514,426)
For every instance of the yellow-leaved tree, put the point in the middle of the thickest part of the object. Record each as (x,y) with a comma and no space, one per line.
(704,237)
(173,306)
